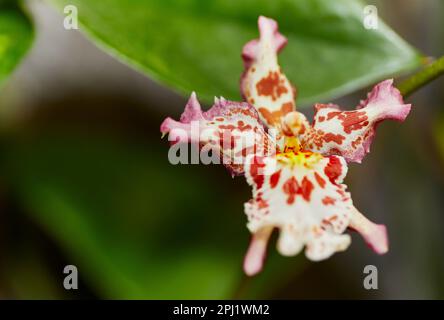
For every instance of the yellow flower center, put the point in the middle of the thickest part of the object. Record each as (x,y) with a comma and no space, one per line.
(294,156)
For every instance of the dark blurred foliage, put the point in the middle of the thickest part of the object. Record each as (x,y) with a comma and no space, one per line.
(87,182)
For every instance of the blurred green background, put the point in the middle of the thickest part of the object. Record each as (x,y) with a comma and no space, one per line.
(85,180)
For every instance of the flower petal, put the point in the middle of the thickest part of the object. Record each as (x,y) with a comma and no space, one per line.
(302,194)
(232,130)
(263,84)
(254,259)
(374,234)
(350,133)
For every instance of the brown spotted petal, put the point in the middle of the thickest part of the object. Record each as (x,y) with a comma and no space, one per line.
(229,130)
(350,133)
(302,195)
(263,84)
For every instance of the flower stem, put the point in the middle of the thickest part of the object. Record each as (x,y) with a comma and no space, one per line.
(420,79)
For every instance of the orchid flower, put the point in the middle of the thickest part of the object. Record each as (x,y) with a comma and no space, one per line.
(296,169)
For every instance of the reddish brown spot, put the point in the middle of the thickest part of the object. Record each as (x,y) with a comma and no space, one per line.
(306,189)
(272,85)
(333,114)
(261,203)
(274,179)
(274,117)
(302,129)
(335,151)
(321,119)
(331,219)
(350,120)
(328,201)
(354,120)
(333,169)
(227,126)
(320,180)
(242,126)
(246,151)
(356,142)
(269,117)
(256,167)
(292,188)
(287,107)
(244,111)
(220,119)
(337,138)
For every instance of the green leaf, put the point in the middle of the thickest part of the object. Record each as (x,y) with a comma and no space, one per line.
(16,36)
(196,45)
